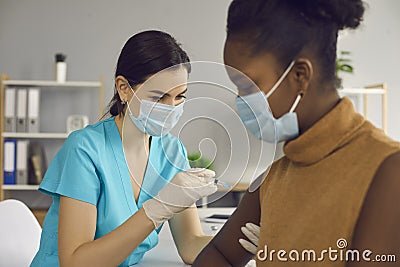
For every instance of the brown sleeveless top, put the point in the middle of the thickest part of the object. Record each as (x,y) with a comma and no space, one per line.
(312,197)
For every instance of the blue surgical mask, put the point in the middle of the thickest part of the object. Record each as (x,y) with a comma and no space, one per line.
(258,119)
(156,119)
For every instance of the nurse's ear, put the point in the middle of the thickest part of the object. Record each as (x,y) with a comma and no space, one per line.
(303,74)
(123,88)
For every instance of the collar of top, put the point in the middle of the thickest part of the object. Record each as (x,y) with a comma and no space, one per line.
(327,135)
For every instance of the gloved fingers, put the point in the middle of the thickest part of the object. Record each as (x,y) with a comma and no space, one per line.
(184,197)
(248,246)
(201,191)
(193,187)
(207,173)
(194,195)
(196,179)
(213,188)
(201,172)
(251,236)
(207,180)
(254,228)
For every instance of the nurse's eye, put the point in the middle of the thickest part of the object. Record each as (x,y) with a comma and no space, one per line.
(179,97)
(158,95)
(157,98)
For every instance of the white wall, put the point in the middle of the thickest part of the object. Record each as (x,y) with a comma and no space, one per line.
(376,58)
(92,33)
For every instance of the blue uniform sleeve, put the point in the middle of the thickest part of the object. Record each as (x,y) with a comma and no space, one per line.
(72,173)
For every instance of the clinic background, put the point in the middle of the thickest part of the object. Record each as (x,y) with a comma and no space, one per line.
(91,34)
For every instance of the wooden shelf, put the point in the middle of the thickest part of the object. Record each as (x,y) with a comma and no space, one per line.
(24,187)
(35,135)
(53,84)
(363,91)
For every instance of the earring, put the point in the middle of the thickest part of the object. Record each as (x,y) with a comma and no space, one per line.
(123,102)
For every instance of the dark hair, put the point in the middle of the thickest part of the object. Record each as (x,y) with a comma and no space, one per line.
(286,27)
(143,55)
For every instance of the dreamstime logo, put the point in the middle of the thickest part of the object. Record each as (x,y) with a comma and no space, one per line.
(330,254)
(341,243)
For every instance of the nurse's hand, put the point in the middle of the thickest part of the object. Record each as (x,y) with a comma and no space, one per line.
(180,193)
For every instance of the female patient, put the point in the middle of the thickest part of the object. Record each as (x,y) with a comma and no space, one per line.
(339,178)
(107,208)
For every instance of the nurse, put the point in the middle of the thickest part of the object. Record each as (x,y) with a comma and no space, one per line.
(114,183)
(338,185)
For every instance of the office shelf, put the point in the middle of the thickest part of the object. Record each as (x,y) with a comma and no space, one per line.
(52,90)
(53,84)
(365,92)
(35,135)
(17,187)
(362,91)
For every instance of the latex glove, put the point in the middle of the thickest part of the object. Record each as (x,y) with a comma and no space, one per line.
(180,193)
(252,232)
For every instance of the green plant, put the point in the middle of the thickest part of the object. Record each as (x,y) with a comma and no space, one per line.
(343,63)
(196,160)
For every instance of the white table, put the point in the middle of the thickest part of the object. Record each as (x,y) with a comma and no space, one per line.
(165,253)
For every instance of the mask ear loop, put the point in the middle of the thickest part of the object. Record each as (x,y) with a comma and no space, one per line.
(296,103)
(127,102)
(281,79)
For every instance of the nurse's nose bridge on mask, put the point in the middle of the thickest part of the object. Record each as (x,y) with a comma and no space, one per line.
(209,112)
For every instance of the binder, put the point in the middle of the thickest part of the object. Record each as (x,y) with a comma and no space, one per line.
(9,110)
(21,110)
(22,162)
(9,161)
(33,110)
(37,164)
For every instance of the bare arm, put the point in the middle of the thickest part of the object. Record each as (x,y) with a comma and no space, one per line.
(188,235)
(225,249)
(378,227)
(76,230)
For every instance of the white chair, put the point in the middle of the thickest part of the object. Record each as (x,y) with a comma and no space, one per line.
(19,234)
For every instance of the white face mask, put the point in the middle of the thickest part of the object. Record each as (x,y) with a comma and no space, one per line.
(154,118)
(257,117)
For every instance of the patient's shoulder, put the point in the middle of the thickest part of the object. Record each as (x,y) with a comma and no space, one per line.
(380,214)
(391,165)
(386,182)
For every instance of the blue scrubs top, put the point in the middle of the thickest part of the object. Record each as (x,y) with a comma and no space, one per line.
(91,167)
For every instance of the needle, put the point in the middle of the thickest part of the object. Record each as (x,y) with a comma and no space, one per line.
(219,182)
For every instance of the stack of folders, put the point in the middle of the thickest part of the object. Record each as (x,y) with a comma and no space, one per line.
(22,109)
(24,162)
